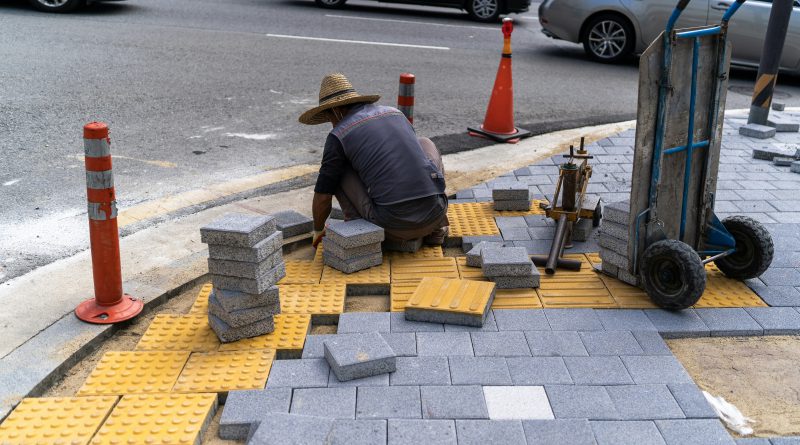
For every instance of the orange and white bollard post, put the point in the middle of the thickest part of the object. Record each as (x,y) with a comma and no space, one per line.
(109,305)
(405,98)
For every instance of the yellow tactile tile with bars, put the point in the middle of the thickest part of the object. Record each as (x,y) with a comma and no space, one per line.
(158,419)
(516,299)
(451,295)
(627,296)
(289,335)
(179,333)
(200,305)
(400,293)
(534,210)
(472,219)
(579,289)
(302,272)
(134,372)
(56,420)
(469,273)
(313,299)
(423,252)
(374,275)
(415,269)
(225,371)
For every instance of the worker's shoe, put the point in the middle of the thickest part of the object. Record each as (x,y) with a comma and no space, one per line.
(437,237)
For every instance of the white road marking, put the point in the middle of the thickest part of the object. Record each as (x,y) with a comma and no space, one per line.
(12,182)
(360,42)
(254,137)
(414,22)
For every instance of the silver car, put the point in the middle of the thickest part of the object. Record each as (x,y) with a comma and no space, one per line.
(612,30)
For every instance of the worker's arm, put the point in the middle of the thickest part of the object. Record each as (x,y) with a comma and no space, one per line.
(321,209)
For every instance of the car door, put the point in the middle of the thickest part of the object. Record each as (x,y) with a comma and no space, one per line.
(652,16)
(748,28)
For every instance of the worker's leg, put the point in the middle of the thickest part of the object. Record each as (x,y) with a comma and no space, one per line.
(430,150)
(437,236)
(353,198)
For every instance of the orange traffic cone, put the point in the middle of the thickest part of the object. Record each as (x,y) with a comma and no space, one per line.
(499,121)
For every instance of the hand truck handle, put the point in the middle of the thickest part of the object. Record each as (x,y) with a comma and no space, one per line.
(676,13)
(731,10)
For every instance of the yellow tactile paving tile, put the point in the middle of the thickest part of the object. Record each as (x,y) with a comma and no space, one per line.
(469,273)
(423,252)
(289,335)
(472,219)
(200,305)
(302,272)
(225,371)
(722,291)
(55,420)
(415,269)
(534,210)
(158,419)
(313,299)
(627,296)
(580,289)
(594,258)
(400,293)
(373,275)
(169,332)
(516,299)
(451,295)
(134,372)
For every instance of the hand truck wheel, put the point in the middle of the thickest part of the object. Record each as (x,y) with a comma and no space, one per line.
(672,274)
(754,249)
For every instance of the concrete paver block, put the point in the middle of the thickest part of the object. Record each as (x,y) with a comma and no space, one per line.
(597,371)
(498,432)
(352,265)
(652,343)
(558,431)
(440,300)
(526,282)
(729,322)
(573,320)
(485,371)
(611,343)
(555,344)
(229,334)
(511,192)
(692,402)
(506,262)
(243,269)
(608,256)
(415,371)
(361,322)
(615,230)
(291,429)
(644,402)
(694,432)
(632,432)
(615,245)
(410,246)
(778,106)
(345,254)
(625,320)
(375,380)
(489,324)
(757,131)
(520,205)
(582,230)
(259,252)
(782,162)
(474,254)
(242,317)
(581,402)
(453,402)
(444,344)
(292,223)
(617,212)
(521,320)
(768,153)
(355,233)
(399,323)
(538,371)
(792,440)
(517,402)
(357,356)
(238,229)
(235,301)
(783,124)
(500,344)
(244,408)
(388,402)
(515,234)
(656,369)
(469,242)
(415,432)
(359,432)
(251,286)
(339,403)
(678,324)
(404,344)
(776,320)
(302,373)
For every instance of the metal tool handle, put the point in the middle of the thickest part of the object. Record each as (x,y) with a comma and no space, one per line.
(731,11)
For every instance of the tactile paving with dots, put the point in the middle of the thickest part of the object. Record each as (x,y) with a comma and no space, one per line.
(579,289)
(516,299)
(302,272)
(451,295)
(158,419)
(225,371)
(415,269)
(423,252)
(313,299)
(469,273)
(200,305)
(400,293)
(56,420)
(289,335)
(179,333)
(373,275)
(472,219)
(134,372)
(534,210)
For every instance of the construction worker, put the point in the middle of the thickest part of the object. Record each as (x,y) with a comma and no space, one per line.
(376,166)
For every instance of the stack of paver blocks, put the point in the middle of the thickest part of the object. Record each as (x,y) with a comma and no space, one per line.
(509,267)
(245,263)
(511,196)
(350,246)
(358,356)
(613,241)
(474,255)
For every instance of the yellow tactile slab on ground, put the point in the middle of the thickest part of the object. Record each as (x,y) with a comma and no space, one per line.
(225,371)
(158,419)
(400,293)
(373,275)
(200,305)
(423,252)
(516,299)
(579,289)
(451,295)
(302,272)
(179,333)
(56,420)
(313,299)
(627,296)
(722,291)
(534,210)
(289,335)
(472,219)
(134,372)
(469,273)
(415,269)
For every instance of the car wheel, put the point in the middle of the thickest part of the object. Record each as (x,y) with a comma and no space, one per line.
(331,4)
(484,10)
(56,5)
(608,38)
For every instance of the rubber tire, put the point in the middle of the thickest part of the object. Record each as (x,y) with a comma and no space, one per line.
(630,41)
(754,249)
(691,274)
(493,19)
(69,6)
(598,215)
(337,5)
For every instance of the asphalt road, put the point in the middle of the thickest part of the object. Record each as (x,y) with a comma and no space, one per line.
(202,91)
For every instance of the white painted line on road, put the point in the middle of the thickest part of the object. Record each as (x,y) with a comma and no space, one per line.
(414,22)
(360,42)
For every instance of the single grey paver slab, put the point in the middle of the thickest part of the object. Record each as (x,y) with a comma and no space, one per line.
(520,205)
(263,249)
(692,402)
(626,433)
(555,343)
(489,325)
(479,371)
(352,265)
(500,344)
(251,286)
(234,301)
(474,255)
(611,343)
(242,317)
(757,131)
(558,431)
(348,254)
(244,269)
(357,356)
(453,402)
(375,380)
(521,320)
(783,124)
(355,233)
(694,432)
(469,242)
(515,234)
(538,371)
(517,191)
(776,320)
(728,322)
(227,333)
(339,403)
(291,429)
(293,223)
(581,402)
(496,432)
(421,371)
(517,402)
(652,343)
(573,320)
(597,371)
(404,344)
(313,347)
(362,322)
(617,212)
(656,369)
(678,324)
(444,343)
(416,432)
(388,402)
(358,432)
(625,320)
(238,230)
(778,106)
(303,373)
(526,282)
(644,402)
(244,408)
(399,323)
(506,262)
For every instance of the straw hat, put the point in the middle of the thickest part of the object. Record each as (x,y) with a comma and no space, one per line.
(335,91)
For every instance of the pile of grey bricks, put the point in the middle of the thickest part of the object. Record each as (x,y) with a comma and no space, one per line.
(509,267)
(292,223)
(511,196)
(350,246)
(776,123)
(613,241)
(474,258)
(245,262)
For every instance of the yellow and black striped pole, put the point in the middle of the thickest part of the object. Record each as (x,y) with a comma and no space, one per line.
(770,61)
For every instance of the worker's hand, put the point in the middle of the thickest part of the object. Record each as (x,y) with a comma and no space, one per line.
(317,238)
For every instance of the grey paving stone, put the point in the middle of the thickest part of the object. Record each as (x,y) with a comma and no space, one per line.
(617,212)
(516,191)
(361,322)
(692,402)
(515,234)
(573,320)
(398,323)
(608,256)
(354,233)
(302,373)
(558,431)
(783,124)
(510,221)
(776,320)
(597,371)
(526,282)
(291,429)
(258,252)
(521,320)
(243,269)
(234,301)
(534,247)
(444,343)
(404,344)
(652,343)
(353,265)
(615,245)
(644,402)
(517,402)
(415,432)
(469,242)
(388,402)
(453,402)
(694,432)
(420,371)
(656,369)
(339,403)
(611,343)
(753,441)
(496,432)
(727,322)
(474,255)
(357,356)
(778,106)
(506,262)
(244,408)
(293,223)
(229,334)
(375,380)
(359,432)
(489,325)
(558,344)
(768,152)
(238,230)
(348,254)
(794,440)
(243,317)
(581,231)
(313,347)
(624,320)
(521,205)
(479,371)
(757,131)
(581,402)
(538,371)
(626,433)
(251,286)
(500,344)
(795,167)
(777,295)
(616,230)
(781,276)
(678,324)
(465,194)
(538,221)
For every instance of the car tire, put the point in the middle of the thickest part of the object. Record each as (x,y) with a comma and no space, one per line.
(484,10)
(57,5)
(608,38)
(330,4)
